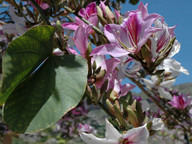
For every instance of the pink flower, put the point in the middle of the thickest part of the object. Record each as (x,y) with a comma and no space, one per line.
(90,10)
(81,41)
(131,35)
(179,102)
(138,25)
(89,13)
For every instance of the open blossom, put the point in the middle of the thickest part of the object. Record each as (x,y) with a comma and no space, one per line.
(159,43)
(179,102)
(131,35)
(89,13)
(160,40)
(137,135)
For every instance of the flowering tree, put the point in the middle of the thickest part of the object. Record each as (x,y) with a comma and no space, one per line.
(56,54)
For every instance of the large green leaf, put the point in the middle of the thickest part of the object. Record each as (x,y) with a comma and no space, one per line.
(23,56)
(53,90)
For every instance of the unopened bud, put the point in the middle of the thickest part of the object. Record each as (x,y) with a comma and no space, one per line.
(132,117)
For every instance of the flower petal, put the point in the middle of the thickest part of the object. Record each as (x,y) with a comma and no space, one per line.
(111,132)
(91,139)
(137,135)
(72,26)
(109,49)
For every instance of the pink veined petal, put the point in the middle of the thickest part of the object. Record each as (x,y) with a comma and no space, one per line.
(88,11)
(143,9)
(112,64)
(146,35)
(81,40)
(72,26)
(181,102)
(126,88)
(133,27)
(109,49)
(116,34)
(93,19)
(111,132)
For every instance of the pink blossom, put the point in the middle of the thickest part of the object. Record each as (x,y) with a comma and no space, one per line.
(131,35)
(179,102)
(81,41)
(89,13)
(90,10)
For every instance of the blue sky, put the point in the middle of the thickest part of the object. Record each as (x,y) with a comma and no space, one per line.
(179,13)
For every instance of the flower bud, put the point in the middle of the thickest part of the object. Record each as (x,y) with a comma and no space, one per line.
(132,117)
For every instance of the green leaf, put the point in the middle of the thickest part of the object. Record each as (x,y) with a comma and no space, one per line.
(57,87)
(23,56)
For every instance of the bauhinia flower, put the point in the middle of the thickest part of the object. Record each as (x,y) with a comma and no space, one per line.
(131,35)
(159,45)
(89,13)
(179,102)
(137,135)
